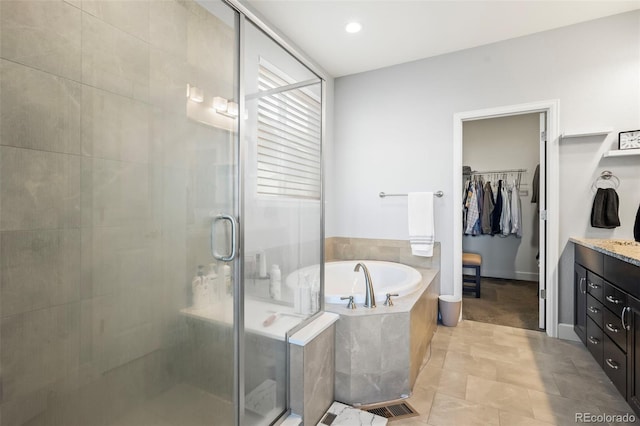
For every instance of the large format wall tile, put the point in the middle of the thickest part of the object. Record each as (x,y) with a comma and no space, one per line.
(116,193)
(40,190)
(42,34)
(39,269)
(131,17)
(114,60)
(168,27)
(115,127)
(39,349)
(38,110)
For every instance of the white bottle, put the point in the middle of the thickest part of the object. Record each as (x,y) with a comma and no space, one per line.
(200,289)
(305,296)
(212,282)
(262,264)
(275,283)
(315,295)
(226,274)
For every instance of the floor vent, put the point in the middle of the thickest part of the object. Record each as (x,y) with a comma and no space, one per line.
(395,411)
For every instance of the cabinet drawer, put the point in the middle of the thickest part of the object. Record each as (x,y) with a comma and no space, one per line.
(612,327)
(595,286)
(594,310)
(595,340)
(614,299)
(589,258)
(615,365)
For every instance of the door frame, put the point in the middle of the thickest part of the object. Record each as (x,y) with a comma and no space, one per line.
(550,275)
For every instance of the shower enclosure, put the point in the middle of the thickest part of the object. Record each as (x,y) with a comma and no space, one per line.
(160,176)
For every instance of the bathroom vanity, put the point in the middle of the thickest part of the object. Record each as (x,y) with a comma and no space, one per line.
(607,309)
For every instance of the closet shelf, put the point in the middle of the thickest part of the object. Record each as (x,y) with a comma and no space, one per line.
(602,132)
(621,153)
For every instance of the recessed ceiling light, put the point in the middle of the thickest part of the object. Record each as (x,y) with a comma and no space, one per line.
(353,27)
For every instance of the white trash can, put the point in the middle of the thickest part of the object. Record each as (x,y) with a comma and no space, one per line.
(450,309)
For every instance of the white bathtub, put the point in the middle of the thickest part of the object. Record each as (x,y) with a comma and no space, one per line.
(341,280)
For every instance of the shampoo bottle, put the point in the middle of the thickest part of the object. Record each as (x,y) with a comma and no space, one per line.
(199,289)
(212,282)
(275,283)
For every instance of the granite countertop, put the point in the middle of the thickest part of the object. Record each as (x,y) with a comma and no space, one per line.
(626,250)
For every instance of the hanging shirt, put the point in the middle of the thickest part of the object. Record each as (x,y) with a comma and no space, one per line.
(497,211)
(487,208)
(516,212)
(477,228)
(472,210)
(505,218)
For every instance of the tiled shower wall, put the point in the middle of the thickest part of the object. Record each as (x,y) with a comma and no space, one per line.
(105,191)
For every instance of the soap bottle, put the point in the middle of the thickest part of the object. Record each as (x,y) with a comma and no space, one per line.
(199,289)
(212,282)
(275,283)
(305,296)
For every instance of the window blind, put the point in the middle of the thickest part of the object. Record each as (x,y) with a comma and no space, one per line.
(288,138)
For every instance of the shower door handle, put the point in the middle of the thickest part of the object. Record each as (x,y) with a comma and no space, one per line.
(234,249)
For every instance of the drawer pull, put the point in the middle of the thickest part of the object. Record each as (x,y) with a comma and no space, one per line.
(622,316)
(593,340)
(612,364)
(593,310)
(583,280)
(612,328)
(593,286)
(614,300)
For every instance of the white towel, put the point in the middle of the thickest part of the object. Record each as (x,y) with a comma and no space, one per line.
(421,224)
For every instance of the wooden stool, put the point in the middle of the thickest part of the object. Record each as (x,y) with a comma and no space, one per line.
(472,260)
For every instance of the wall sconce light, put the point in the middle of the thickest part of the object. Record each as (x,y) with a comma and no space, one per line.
(225,107)
(195,94)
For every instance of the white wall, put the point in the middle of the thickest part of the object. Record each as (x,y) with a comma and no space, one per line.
(502,143)
(393,129)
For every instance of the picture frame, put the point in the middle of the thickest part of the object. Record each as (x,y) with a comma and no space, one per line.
(629,139)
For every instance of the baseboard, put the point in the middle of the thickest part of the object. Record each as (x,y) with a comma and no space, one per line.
(565,332)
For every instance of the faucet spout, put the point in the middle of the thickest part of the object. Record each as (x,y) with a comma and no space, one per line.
(370,297)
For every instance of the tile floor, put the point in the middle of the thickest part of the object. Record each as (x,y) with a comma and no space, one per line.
(484,374)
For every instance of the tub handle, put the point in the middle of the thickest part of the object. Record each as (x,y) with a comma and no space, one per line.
(389,302)
(351,304)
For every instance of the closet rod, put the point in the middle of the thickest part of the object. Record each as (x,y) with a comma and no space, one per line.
(496,171)
(438,194)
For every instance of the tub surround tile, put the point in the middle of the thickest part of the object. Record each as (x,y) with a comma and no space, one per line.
(378,355)
(38,110)
(168,26)
(312,379)
(42,35)
(349,416)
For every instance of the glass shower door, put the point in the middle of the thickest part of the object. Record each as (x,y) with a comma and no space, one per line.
(119,147)
(282,215)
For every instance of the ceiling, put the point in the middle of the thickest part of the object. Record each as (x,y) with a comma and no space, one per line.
(397,31)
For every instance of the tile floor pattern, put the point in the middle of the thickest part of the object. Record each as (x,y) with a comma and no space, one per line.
(484,374)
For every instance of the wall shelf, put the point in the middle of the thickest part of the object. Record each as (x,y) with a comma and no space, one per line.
(602,132)
(621,153)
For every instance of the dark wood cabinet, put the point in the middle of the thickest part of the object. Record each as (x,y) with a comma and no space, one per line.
(607,317)
(580,302)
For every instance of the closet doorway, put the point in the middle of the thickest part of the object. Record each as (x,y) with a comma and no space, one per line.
(501,191)
(546,151)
